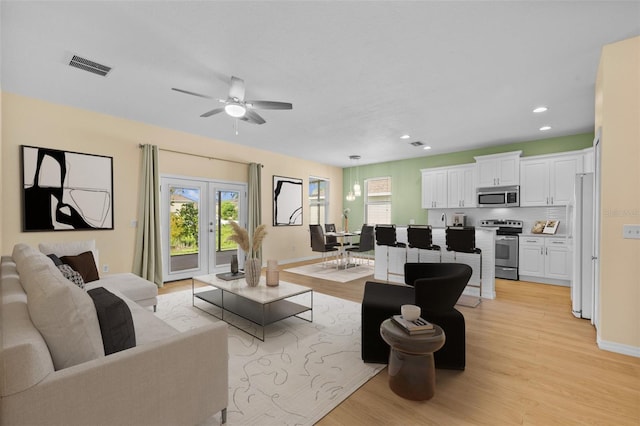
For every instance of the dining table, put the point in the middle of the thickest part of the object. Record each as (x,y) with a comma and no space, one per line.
(344,256)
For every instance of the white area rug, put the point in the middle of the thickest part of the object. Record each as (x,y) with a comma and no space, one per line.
(331,273)
(300,373)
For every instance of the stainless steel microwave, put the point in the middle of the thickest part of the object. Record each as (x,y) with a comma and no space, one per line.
(498,196)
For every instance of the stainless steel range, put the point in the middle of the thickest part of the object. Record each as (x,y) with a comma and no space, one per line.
(506,246)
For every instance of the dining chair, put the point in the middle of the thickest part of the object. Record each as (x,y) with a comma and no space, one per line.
(367,241)
(330,239)
(318,243)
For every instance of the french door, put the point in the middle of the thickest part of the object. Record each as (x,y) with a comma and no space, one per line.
(195,216)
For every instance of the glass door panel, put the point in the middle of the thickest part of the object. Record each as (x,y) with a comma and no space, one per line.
(230,202)
(184,254)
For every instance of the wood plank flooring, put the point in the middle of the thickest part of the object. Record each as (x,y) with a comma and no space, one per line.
(529,362)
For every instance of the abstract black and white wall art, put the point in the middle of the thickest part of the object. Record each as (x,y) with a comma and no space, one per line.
(287,201)
(66,191)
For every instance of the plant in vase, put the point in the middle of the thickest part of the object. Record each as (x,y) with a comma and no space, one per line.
(253,264)
(345,213)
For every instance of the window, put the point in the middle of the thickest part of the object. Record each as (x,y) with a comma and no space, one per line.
(318,200)
(377,200)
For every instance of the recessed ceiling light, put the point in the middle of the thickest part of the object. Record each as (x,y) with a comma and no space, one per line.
(543,128)
(426,147)
(405,136)
(540,109)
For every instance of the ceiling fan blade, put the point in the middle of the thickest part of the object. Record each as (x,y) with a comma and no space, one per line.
(237,88)
(191,93)
(212,112)
(253,117)
(270,105)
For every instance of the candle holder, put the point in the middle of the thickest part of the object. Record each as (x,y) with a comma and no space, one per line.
(272,273)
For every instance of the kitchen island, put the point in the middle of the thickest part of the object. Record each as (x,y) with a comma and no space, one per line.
(483,274)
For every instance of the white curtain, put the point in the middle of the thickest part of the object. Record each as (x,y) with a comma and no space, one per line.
(147,261)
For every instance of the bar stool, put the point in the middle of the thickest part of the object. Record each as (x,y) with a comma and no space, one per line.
(386,236)
(462,239)
(419,237)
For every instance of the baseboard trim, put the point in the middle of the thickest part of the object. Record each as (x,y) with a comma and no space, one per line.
(619,348)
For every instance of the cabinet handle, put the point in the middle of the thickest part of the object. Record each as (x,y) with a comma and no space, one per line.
(552,200)
(541,250)
(546,251)
(547,201)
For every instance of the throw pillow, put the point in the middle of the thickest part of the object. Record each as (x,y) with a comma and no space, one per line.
(116,322)
(83,263)
(66,318)
(56,260)
(71,274)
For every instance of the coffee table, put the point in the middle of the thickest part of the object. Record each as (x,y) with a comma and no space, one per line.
(260,305)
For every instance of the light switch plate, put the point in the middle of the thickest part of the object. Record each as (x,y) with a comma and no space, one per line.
(631,232)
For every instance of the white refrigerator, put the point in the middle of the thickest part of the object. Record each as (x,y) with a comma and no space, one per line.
(582,284)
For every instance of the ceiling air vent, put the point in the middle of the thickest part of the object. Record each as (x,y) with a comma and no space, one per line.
(416,143)
(87,65)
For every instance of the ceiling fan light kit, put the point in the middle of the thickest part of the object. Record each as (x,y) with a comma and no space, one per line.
(235,106)
(235,110)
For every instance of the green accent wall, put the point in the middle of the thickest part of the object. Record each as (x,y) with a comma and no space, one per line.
(406,179)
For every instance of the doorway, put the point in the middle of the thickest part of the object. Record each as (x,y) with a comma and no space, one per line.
(195,217)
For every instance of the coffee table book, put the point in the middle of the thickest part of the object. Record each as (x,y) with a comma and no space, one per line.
(419,326)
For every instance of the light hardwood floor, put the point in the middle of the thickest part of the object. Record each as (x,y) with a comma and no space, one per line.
(529,362)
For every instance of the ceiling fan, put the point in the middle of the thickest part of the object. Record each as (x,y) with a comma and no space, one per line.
(236,106)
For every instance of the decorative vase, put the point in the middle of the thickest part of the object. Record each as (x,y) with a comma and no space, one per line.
(252,268)
(234,264)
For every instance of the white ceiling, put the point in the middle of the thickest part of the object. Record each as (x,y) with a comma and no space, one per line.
(454,75)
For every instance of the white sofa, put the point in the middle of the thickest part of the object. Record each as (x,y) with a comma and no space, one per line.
(54,371)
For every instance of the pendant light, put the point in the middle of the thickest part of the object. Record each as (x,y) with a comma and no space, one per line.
(357,191)
(350,196)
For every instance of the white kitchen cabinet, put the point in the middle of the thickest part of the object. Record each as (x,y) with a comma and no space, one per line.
(545,258)
(434,188)
(531,256)
(498,169)
(548,180)
(461,186)
(557,258)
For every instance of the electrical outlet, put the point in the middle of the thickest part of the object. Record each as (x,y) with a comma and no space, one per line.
(105,268)
(631,232)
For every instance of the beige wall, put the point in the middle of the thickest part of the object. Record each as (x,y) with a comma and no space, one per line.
(28,121)
(618,114)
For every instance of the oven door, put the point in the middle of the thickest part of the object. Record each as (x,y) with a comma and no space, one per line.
(507,251)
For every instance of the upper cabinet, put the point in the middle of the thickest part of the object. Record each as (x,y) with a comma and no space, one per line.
(498,169)
(548,180)
(461,184)
(434,188)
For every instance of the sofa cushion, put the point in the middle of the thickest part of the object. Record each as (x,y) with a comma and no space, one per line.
(116,322)
(72,275)
(84,264)
(65,316)
(131,285)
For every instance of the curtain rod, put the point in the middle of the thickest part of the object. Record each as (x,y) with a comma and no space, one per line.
(201,156)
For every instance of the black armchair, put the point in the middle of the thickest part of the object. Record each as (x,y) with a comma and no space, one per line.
(435,287)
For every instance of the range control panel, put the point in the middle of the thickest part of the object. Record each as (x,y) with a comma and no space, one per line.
(502,223)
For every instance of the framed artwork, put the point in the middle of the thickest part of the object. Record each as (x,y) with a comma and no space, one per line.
(287,201)
(66,191)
